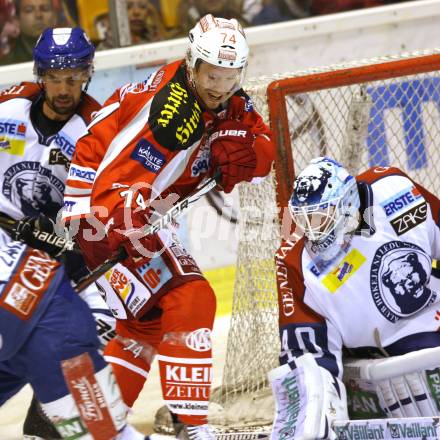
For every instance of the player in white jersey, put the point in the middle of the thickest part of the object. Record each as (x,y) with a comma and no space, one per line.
(47,333)
(359,277)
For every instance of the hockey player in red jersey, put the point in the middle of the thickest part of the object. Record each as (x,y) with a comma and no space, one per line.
(360,277)
(152,144)
(48,335)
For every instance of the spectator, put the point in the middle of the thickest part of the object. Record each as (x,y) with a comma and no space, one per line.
(8,26)
(191,11)
(273,11)
(145,22)
(34,16)
(104,31)
(320,7)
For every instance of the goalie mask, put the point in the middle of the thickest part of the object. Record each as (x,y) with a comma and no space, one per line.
(325,206)
(219,42)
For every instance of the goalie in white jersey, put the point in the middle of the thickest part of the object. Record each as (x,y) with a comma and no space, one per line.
(360,277)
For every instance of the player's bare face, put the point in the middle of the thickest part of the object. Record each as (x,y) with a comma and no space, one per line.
(62,92)
(35,16)
(215,85)
(137,11)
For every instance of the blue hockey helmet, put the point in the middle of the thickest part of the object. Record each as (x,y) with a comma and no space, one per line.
(63,48)
(325,202)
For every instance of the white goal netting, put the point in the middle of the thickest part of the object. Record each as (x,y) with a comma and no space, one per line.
(377,112)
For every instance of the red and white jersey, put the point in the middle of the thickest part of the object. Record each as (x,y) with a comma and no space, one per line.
(149,138)
(380,289)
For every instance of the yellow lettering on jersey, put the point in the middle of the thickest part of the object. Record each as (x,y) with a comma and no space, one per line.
(343,271)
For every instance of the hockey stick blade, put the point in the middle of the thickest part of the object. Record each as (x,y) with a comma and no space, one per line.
(169,216)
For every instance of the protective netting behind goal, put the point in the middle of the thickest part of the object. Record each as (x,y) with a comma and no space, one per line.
(377,112)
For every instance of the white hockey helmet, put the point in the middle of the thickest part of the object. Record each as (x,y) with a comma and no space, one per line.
(219,42)
(325,203)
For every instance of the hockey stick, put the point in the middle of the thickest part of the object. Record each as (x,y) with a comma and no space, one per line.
(168,217)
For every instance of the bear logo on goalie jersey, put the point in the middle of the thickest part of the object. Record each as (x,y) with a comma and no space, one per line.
(398,276)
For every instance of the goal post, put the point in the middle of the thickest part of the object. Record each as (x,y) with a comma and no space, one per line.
(377,112)
(278,92)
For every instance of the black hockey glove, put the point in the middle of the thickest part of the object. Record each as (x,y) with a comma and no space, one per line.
(74,265)
(39,233)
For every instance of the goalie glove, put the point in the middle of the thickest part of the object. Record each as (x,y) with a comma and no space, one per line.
(307,400)
(232,153)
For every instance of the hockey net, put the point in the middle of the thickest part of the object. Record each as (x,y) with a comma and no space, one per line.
(377,112)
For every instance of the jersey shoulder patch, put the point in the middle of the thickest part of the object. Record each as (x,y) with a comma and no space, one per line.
(25,90)
(374,174)
(176,116)
(88,107)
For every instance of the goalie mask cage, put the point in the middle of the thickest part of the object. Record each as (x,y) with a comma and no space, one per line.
(376,112)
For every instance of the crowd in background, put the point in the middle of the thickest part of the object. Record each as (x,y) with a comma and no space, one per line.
(22,21)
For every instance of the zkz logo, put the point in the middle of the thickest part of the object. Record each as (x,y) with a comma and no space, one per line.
(199,340)
(409,219)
